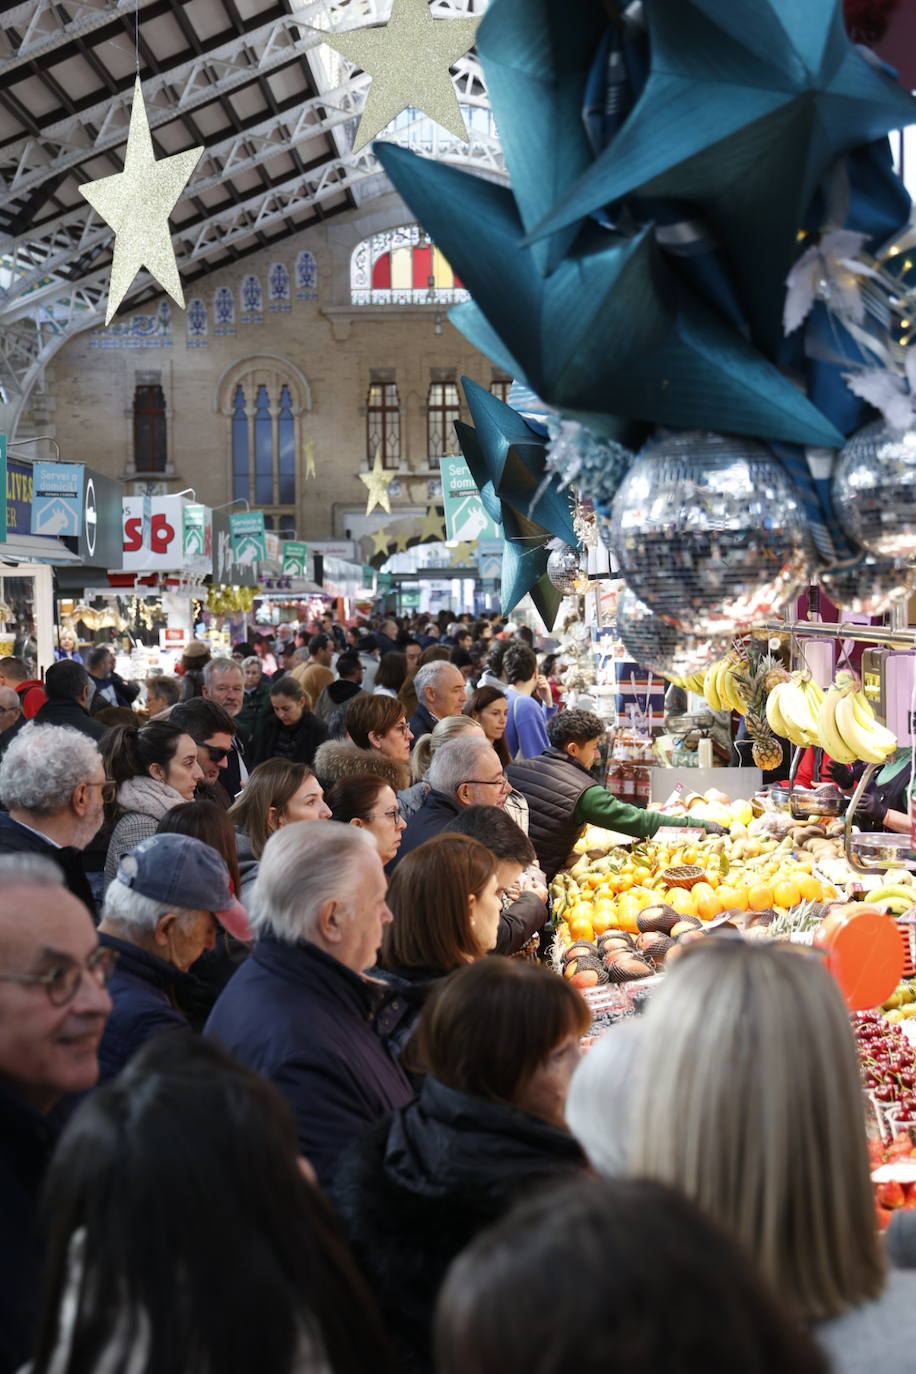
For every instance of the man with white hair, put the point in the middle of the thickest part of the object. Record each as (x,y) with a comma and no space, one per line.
(53,786)
(160,915)
(301,1010)
(11,718)
(440,693)
(53,1006)
(464,772)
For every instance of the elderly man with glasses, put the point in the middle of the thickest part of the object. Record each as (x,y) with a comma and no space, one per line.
(53,785)
(464,772)
(53,1008)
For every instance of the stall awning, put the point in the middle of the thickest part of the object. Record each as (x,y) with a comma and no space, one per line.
(36,548)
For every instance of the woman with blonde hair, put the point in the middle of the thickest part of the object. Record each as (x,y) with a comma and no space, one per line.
(749,1099)
(312,678)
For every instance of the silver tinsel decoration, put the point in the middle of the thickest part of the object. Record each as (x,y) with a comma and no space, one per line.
(865,585)
(652,643)
(874,490)
(563,567)
(596,466)
(710,533)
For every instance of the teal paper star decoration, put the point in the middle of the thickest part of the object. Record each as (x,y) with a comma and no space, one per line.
(537,55)
(525,551)
(610,332)
(747,106)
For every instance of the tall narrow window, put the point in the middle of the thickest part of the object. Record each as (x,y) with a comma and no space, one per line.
(383,424)
(286,445)
(500,387)
(239,447)
(284,526)
(443,408)
(150,453)
(263,451)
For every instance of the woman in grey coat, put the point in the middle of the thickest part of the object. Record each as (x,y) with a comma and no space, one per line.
(155,768)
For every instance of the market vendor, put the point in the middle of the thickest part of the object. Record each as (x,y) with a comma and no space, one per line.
(563,796)
(885,803)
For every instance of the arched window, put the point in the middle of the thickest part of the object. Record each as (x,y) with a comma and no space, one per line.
(402,267)
(383,424)
(150,445)
(443,408)
(264,400)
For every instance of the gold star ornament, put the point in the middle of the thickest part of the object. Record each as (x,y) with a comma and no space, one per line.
(136,204)
(433,526)
(400,541)
(378,482)
(462,556)
(380,541)
(408,59)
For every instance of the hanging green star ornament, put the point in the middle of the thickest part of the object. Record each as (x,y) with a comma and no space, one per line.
(611,332)
(377,480)
(525,553)
(747,106)
(136,204)
(408,59)
(537,55)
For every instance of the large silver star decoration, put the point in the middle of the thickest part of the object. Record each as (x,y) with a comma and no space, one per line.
(408,59)
(136,204)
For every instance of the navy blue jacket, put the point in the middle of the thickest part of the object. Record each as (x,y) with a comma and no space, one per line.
(422,722)
(17,839)
(142,988)
(434,816)
(305,1021)
(26,1141)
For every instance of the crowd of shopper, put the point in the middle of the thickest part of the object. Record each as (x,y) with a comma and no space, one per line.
(284,1086)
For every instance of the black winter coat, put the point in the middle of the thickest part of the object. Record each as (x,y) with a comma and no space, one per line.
(300,740)
(304,1020)
(18,839)
(143,994)
(418,1187)
(71,715)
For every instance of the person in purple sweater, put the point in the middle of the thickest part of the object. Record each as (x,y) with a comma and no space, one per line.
(526,727)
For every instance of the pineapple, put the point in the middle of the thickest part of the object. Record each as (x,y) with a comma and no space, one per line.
(766,749)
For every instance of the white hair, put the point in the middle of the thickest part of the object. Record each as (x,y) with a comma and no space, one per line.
(216,667)
(429,675)
(43,766)
(123,904)
(24,869)
(599,1105)
(457,762)
(303,866)
(252,661)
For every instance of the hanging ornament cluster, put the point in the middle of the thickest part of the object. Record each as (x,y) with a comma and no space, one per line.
(230,600)
(709,532)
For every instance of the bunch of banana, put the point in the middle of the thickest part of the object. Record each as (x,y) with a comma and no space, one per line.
(721,689)
(893,898)
(793,710)
(693,683)
(848,727)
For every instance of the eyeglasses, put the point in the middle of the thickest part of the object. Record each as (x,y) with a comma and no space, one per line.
(393,815)
(217,753)
(63,983)
(109,790)
(501,781)
(402,727)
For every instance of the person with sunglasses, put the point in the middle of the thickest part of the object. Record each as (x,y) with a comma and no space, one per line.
(213,730)
(152,769)
(53,1009)
(53,786)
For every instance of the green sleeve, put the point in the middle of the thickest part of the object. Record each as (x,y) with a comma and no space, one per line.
(596,806)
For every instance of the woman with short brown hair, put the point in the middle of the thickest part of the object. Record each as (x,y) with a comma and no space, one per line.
(379,743)
(500,1040)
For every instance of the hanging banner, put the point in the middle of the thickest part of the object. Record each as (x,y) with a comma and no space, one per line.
(57,499)
(198,538)
(227,572)
(249,544)
(465,518)
(295,558)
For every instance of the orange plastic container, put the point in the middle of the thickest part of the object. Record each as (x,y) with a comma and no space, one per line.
(864,953)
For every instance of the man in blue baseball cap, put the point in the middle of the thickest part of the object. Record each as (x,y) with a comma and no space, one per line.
(160,915)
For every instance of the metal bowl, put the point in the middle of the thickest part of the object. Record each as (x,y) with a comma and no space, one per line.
(826,800)
(773,798)
(894,850)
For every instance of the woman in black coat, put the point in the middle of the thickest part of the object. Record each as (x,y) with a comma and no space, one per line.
(288,730)
(499,1041)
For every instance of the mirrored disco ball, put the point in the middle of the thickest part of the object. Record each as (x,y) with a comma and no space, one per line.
(874,490)
(654,644)
(866,585)
(563,568)
(710,533)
